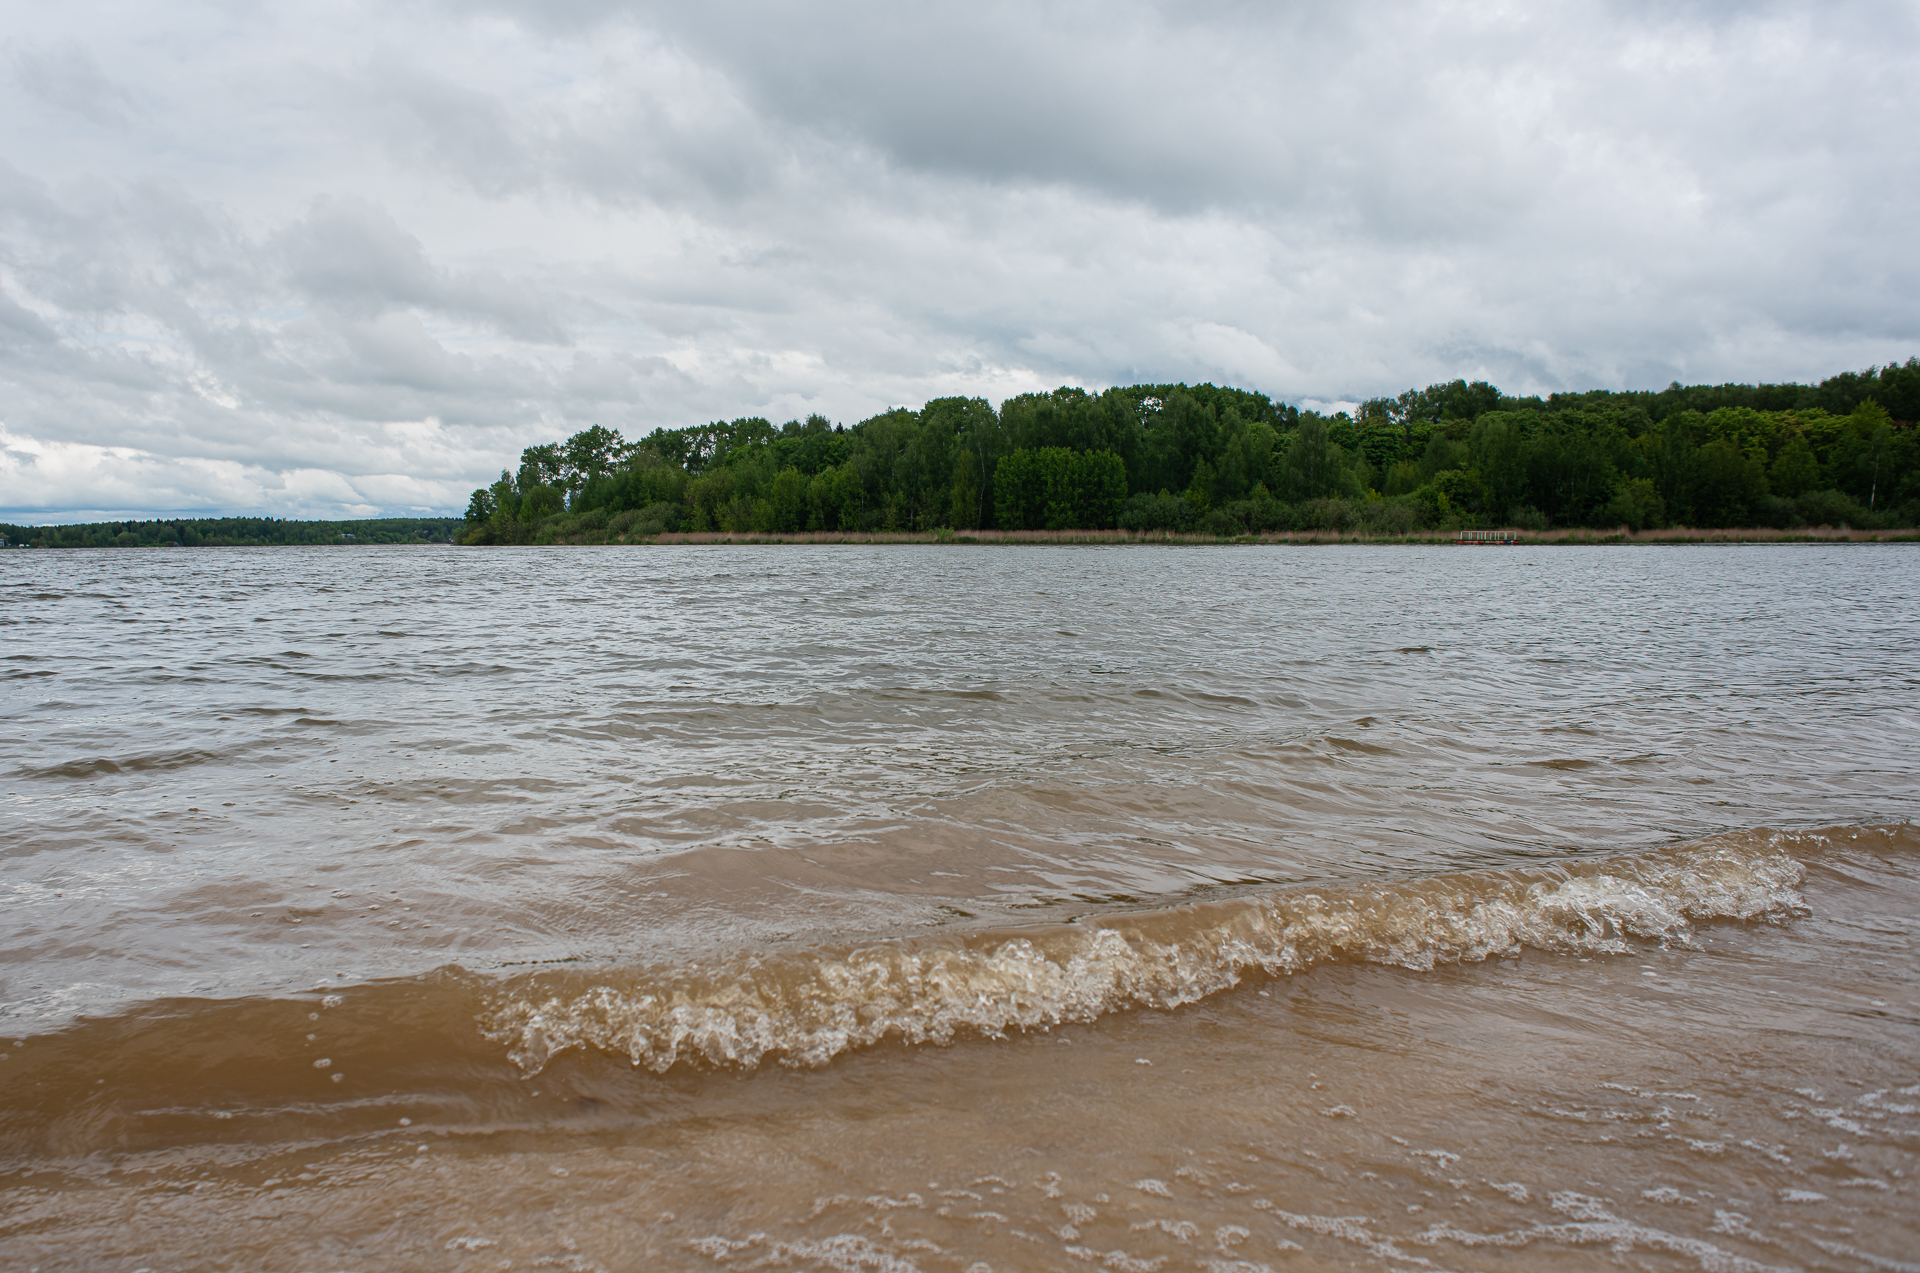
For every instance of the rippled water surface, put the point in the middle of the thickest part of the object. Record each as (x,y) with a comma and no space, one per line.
(960,907)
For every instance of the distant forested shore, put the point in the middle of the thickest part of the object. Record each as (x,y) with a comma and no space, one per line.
(232,532)
(1189,462)
(1210,462)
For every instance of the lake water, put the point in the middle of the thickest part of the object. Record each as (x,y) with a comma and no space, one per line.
(960,908)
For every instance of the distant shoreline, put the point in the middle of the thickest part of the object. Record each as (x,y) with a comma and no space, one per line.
(1570,535)
(232,532)
(1043,538)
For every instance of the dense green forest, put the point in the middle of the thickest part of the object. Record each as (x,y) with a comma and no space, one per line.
(1229,462)
(197,532)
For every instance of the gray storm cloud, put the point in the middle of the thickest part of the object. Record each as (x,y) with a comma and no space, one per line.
(347,259)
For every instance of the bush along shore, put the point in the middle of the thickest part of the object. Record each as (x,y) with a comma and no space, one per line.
(233,532)
(1190,463)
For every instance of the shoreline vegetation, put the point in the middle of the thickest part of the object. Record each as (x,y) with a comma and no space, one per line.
(109,535)
(233,532)
(1201,463)
(1834,462)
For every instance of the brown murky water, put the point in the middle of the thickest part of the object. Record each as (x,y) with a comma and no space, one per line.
(960,909)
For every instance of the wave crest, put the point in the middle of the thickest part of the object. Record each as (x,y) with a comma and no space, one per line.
(805,1008)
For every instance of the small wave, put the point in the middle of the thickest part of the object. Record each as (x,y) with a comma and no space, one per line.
(805,1008)
(99,766)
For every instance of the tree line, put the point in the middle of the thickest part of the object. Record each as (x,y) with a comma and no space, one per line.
(229,532)
(1231,462)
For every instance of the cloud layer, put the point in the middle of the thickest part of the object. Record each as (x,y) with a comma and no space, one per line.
(347,260)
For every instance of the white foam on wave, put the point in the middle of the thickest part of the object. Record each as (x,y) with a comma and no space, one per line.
(804,1009)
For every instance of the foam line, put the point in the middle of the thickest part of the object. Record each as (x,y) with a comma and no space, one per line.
(806,1008)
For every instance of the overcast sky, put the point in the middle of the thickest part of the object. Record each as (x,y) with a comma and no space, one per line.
(335,259)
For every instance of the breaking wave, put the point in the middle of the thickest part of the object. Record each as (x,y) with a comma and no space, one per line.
(805,1008)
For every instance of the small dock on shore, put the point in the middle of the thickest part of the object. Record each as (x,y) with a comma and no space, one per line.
(1488,537)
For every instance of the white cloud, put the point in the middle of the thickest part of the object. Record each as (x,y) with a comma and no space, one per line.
(350,256)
